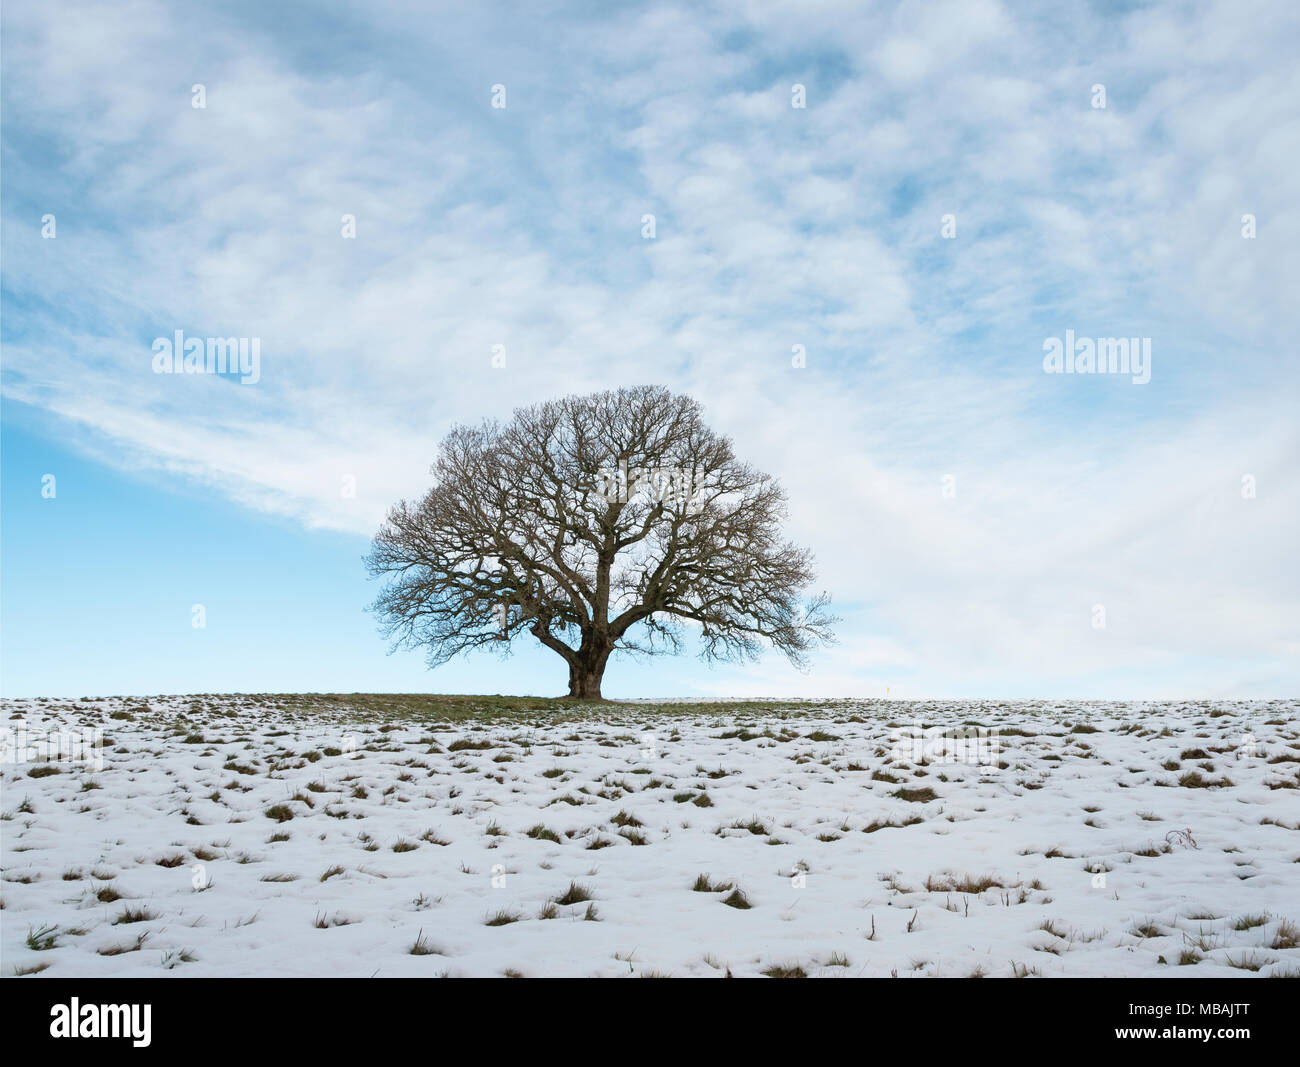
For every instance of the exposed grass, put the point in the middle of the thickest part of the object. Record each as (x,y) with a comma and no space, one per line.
(121,949)
(575,894)
(962,884)
(42,939)
(738,900)
(1196,780)
(1247,962)
(916,796)
(887,824)
(324,922)
(1249,922)
(386,708)
(1287,935)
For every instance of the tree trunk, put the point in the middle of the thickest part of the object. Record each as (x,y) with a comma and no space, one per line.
(585,673)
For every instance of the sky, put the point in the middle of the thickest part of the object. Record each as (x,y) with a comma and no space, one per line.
(850,230)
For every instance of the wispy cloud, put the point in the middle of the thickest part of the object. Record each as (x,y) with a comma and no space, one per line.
(775,227)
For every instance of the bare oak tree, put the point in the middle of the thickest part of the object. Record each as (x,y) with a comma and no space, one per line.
(596,523)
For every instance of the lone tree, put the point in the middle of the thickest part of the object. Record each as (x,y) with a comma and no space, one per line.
(596,523)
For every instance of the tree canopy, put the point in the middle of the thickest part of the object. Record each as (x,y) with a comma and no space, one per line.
(594,524)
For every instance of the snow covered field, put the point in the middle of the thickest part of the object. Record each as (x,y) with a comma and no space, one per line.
(303,836)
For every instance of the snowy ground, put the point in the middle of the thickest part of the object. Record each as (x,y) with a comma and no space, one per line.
(287,836)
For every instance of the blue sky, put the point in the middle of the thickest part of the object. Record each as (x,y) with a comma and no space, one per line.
(969,512)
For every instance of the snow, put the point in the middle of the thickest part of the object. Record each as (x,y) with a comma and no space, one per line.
(1159,869)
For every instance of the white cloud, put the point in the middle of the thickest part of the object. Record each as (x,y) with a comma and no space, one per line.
(775,227)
